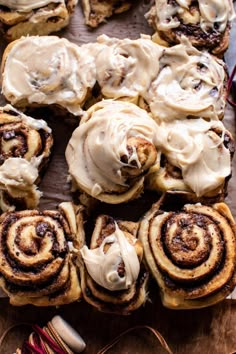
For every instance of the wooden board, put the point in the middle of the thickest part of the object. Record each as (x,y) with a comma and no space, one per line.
(210,330)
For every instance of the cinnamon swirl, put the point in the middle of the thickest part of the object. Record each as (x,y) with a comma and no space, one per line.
(61,73)
(36,264)
(30,17)
(196,159)
(25,147)
(191,254)
(112,276)
(97,11)
(111,150)
(189,83)
(206,23)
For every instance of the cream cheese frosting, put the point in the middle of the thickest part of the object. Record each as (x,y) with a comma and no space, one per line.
(190,83)
(60,73)
(194,146)
(126,68)
(27,5)
(103,266)
(212,12)
(94,153)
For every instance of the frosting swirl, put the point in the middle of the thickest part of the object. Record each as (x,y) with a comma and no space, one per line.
(126,68)
(198,149)
(103,266)
(61,73)
(190,83)
(191,254)
(111,150)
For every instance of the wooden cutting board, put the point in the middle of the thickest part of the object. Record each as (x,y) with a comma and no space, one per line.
(210,330)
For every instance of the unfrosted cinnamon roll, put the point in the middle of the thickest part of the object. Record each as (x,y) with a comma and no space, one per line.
(36,264)
(196,159)
(111,151)
(125,67)
(191,253)
(25,147)
(112,276)
(205,23)
(97,11)
(61,73)
(190,83)
(30,17)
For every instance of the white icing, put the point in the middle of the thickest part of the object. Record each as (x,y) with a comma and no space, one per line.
(192,146)
(94,152)
(60,72)
(190,83)
(27,5)
(102,266)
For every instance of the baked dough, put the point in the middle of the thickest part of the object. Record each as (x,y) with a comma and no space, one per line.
(97,11)
(61,73)
(205,23)
(113,278)
(37,264)
(25,148)
(30,17)
(191,253)
(111,151)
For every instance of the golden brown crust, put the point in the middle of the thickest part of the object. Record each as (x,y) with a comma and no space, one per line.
(191,254)
(17,24)
(37,266)
(213,40)
(97,11)
(122,301)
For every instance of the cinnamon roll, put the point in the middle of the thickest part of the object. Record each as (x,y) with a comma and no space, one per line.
(196,159)
(25,147)
(36,264)
(206,23)
(125,67)
(112,276)
(111,150)
(191,254)
(30,17)
(96,12)
(61,73)
(189,83)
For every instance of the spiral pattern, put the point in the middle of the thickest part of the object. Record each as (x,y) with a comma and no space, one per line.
(121,301)
(36,264)
(111,150)
(126,68)
(60,74)
(192,254)
(24,137)
(205,23)
(190,83)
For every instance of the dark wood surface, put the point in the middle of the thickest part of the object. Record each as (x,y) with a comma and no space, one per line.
(210,330)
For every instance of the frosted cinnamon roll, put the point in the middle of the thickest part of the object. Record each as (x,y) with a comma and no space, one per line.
(30,17)
(205,23)
(111,151)
(36,264)
(112,276)
(125,67)
(61,73)
(25,147)
(190,83)
(96,12)
(191,253)
(196,159)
